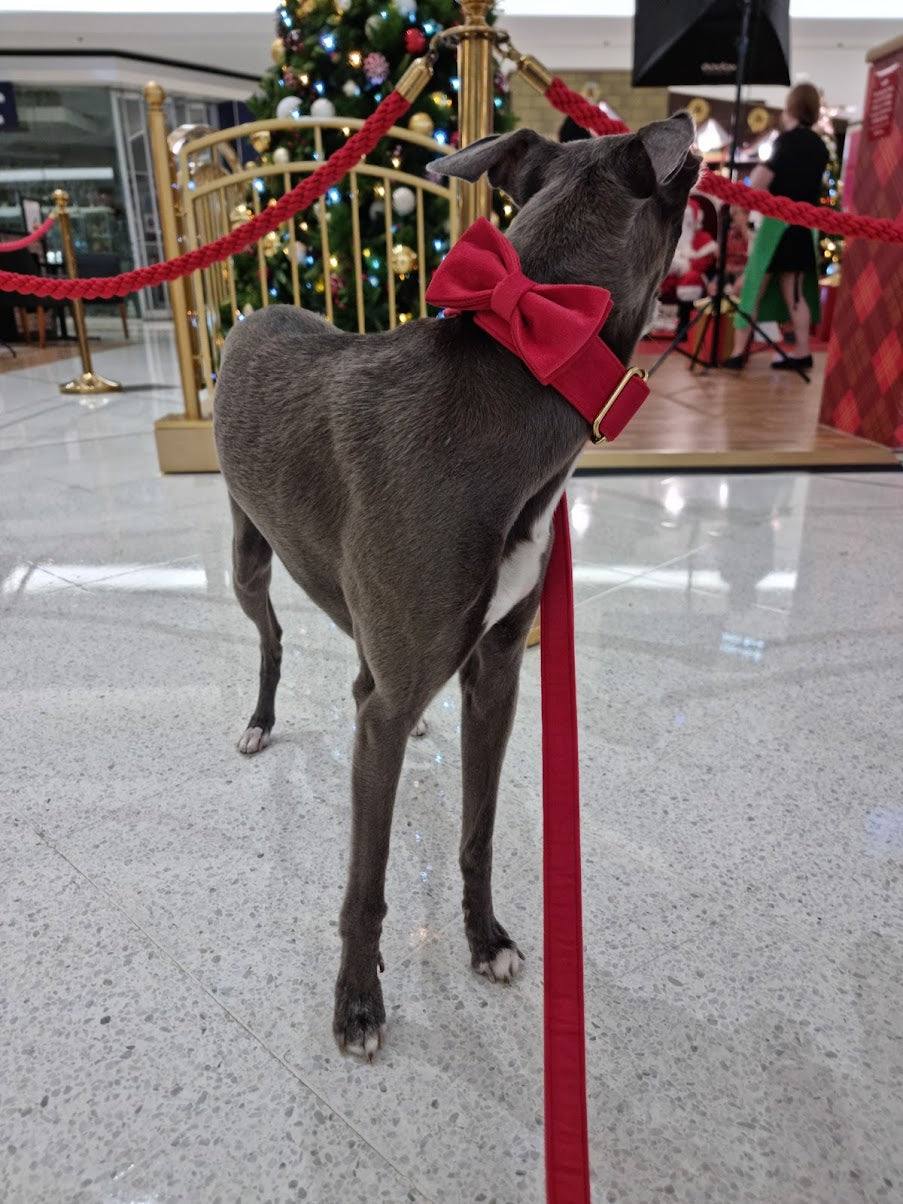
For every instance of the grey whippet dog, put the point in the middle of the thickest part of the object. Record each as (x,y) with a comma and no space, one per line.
(407,480)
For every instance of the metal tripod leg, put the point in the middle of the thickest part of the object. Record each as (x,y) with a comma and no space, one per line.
(679,337)
(754,326)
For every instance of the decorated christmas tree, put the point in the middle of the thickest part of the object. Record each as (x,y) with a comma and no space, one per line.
(340,58)
(830,245)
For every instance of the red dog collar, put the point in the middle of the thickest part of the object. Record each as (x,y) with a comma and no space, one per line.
(553,328)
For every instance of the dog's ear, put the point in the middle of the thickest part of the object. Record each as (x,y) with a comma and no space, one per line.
(657,152)
(518,162)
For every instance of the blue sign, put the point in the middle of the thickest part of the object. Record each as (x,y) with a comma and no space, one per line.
(9,118)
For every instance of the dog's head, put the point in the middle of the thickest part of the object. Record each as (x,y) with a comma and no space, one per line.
(604,211)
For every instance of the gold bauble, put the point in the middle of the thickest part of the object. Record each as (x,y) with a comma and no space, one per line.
(277,51)
(421,123)
(758,120)
(320,286)
(271,243)
(404,260)
(699,109)
(260,140)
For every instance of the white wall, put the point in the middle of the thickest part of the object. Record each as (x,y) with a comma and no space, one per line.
(236,34)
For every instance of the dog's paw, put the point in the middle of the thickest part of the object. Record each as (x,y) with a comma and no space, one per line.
(359,1023)
(254,740)
(504,967)
(421,727)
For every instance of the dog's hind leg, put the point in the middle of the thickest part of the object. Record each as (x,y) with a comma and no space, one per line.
(489,683)
(252,559)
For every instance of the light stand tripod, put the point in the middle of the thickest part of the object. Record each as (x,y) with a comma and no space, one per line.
(713,307)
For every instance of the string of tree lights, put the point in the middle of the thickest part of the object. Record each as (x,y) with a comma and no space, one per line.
(339,58)
(830,245)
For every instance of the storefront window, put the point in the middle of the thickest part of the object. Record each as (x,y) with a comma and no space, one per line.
(65,138)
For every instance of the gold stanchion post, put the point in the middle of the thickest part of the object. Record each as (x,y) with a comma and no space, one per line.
(184,441)
(476,69)
(88,381)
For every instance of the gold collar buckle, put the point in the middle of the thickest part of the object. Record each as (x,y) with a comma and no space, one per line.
(622,384)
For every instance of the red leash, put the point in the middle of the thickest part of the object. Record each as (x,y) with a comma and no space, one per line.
(567,1138)
(554,329)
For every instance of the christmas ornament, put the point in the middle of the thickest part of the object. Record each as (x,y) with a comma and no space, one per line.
(355,58)
(260,140)
(421,123)
(406,7)
(699,109)
(300,251)
(319,286)
(342,6)
(277,51)
(289,78)
(414,41)
(441,99)
(403,200)
(294,40)
(350,88)
(248,309)
(402,318)
(404,260)
(288,106)
(241,213)
(271,243)
(322,108)
(376,67)
(281,155)
(757,119)
(372,26)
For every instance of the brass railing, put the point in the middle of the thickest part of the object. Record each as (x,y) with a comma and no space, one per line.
(200,183)
(211,193)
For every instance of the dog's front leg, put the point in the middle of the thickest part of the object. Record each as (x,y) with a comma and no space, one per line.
(379,747)
(489,681)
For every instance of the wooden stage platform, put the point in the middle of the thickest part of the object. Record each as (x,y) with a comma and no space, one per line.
(757,418)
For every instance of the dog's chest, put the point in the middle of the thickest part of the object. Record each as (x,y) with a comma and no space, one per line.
(519,571)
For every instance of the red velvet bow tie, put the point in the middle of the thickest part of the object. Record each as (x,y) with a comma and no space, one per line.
(553,328)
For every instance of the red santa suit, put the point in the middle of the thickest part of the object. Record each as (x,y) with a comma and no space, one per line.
(695,255)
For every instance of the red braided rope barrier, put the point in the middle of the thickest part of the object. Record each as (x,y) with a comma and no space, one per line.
(300,197)
(18,244)
(798,213)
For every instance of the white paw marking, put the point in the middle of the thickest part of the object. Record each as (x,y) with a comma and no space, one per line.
(372,1042)
(504,967)
(421,727)
(255,739)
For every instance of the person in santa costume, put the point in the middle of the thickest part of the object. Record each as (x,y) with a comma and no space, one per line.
(694,258)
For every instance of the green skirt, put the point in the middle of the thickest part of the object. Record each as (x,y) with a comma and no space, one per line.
(771,307)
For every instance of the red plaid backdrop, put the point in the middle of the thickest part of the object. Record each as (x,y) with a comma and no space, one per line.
(863,391)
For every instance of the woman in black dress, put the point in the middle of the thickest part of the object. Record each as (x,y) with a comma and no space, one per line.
(795,170)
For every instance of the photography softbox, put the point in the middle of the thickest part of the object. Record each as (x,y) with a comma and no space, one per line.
(695,42)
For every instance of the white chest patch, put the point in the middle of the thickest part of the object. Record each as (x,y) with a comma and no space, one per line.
(519,571)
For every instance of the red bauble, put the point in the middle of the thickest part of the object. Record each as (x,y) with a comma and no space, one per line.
(414,41)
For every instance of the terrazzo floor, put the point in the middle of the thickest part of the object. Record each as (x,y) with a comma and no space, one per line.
(168,935)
